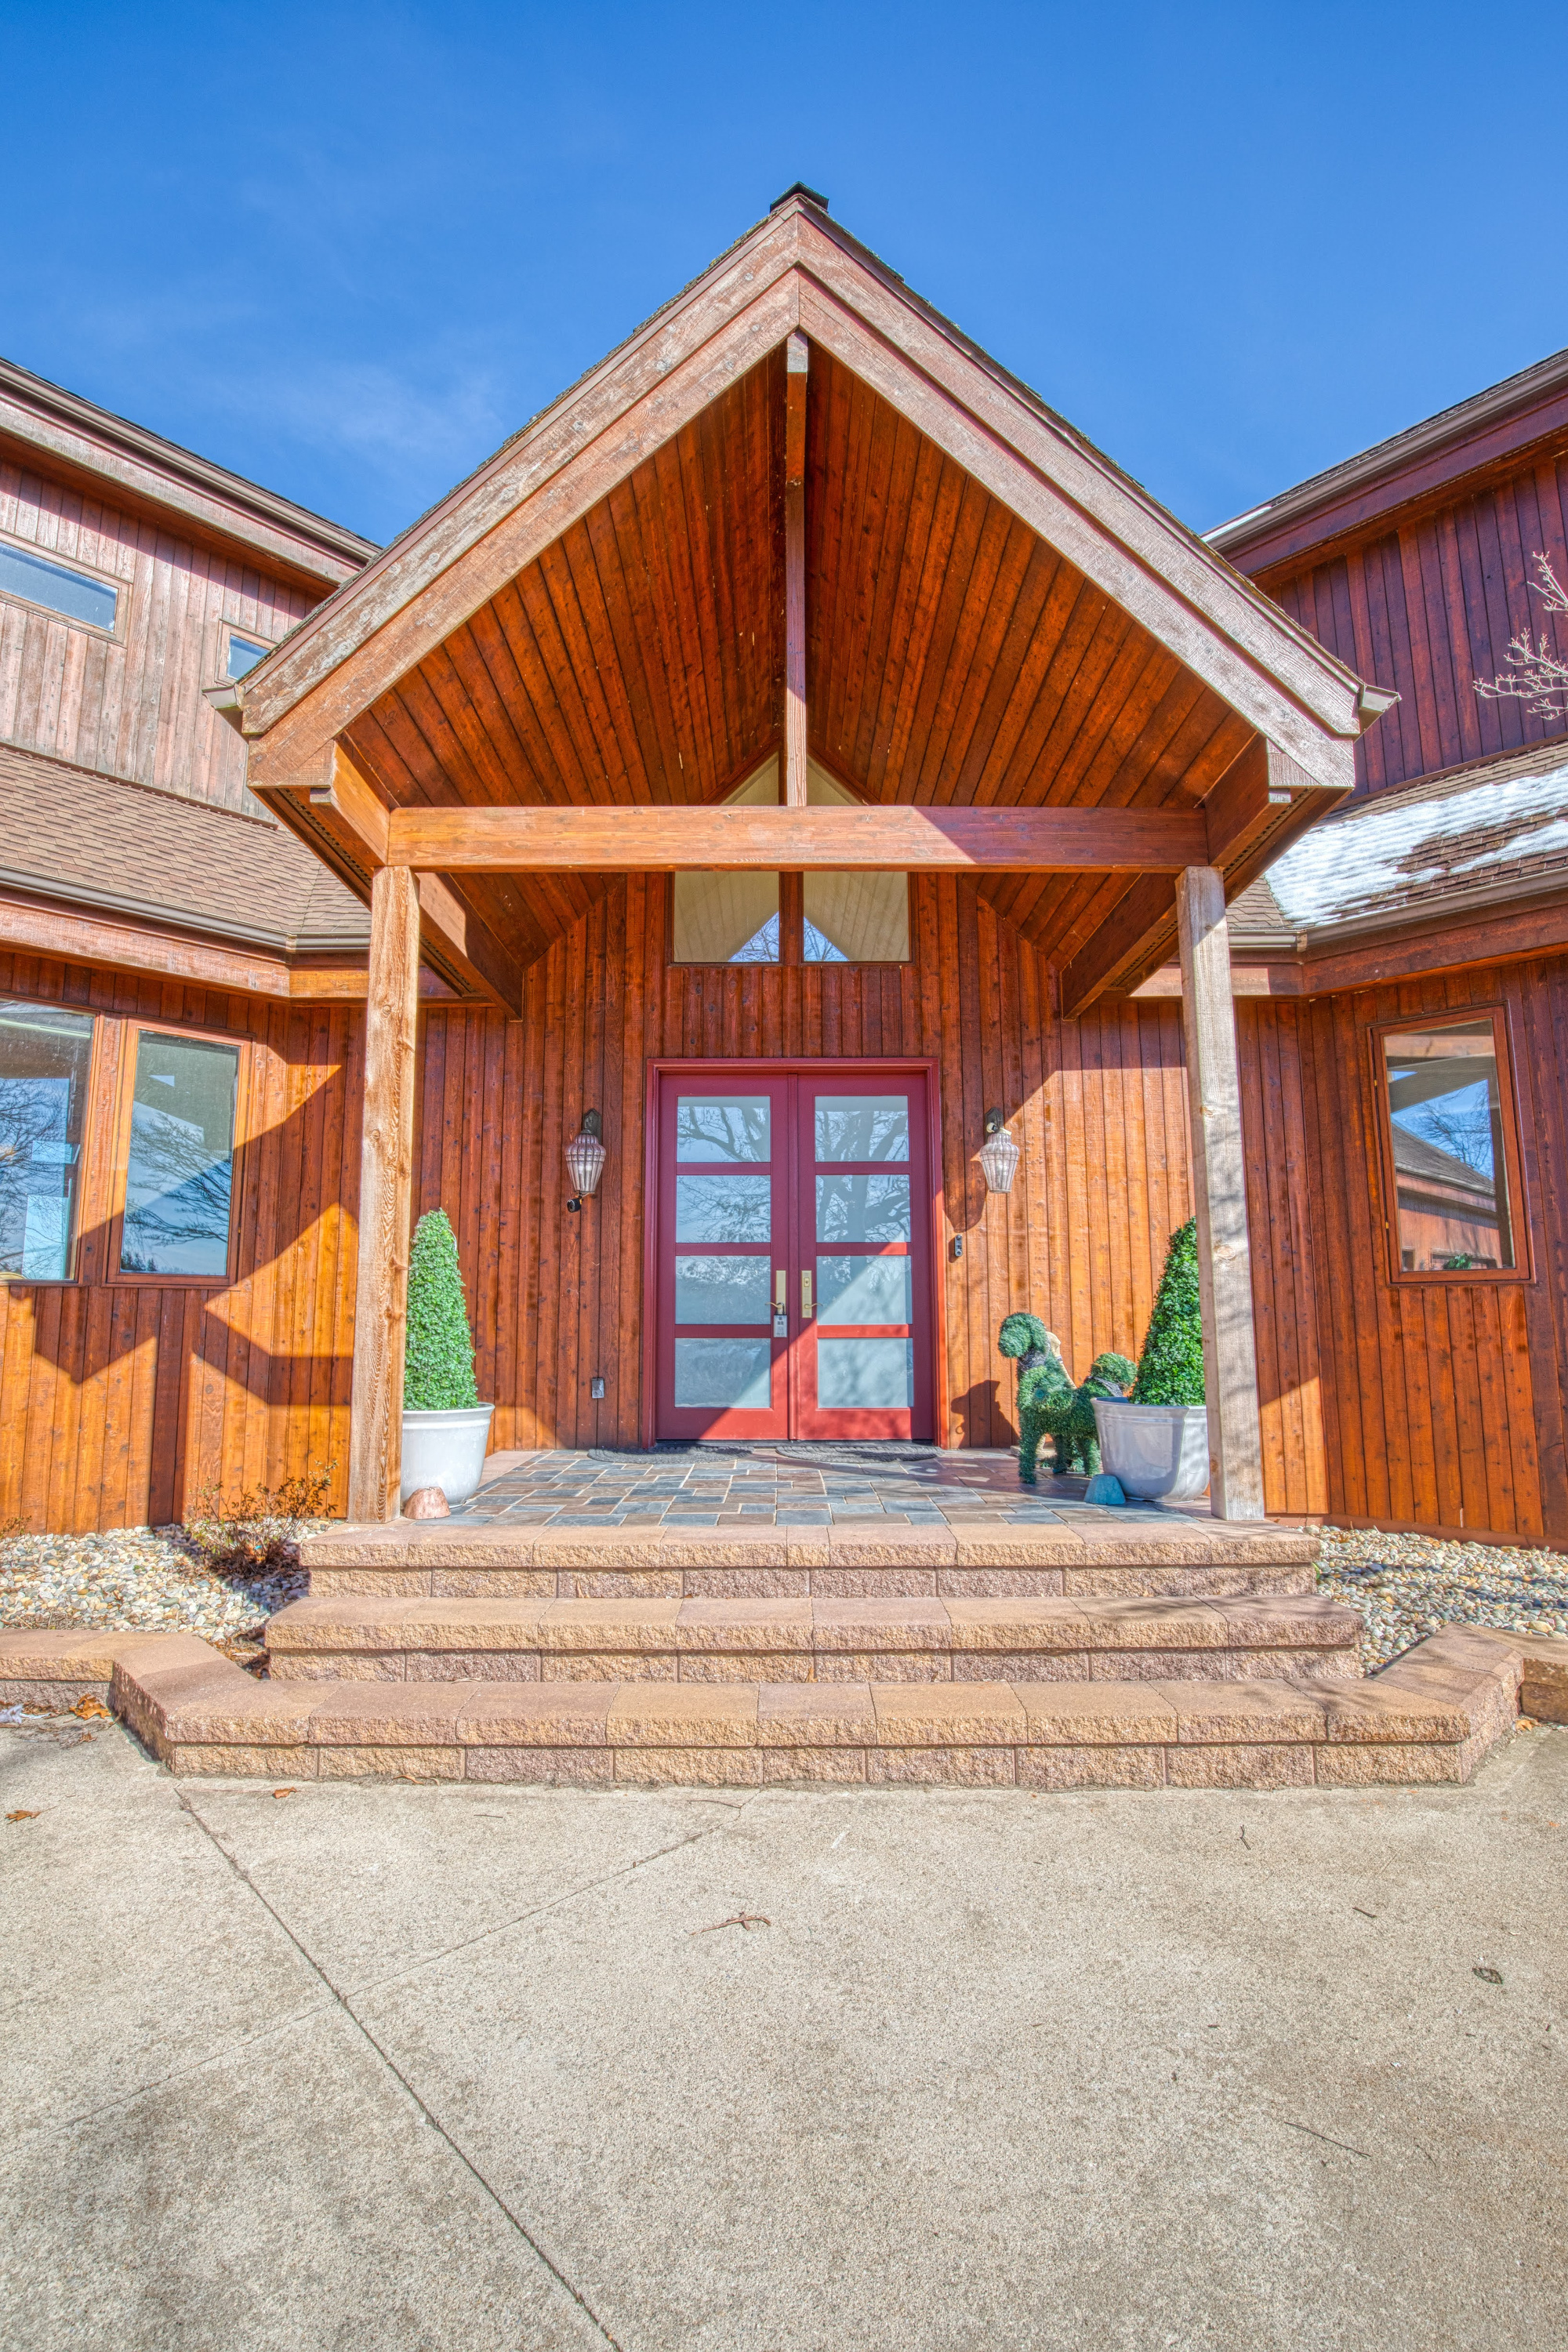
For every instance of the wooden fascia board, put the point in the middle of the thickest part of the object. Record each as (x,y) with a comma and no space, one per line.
(35,927)
(1509,936)
(352,648)
(793,274)
(1215,621)
(1316,524)
(204,514)
(886,838)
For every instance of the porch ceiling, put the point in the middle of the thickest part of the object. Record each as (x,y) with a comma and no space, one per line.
(953,659)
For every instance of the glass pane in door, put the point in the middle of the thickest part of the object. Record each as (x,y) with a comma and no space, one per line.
(721,1289)
(863,1290)
(736,1373)
(865,1374)
(723,1208)
(862,1127)
(862,1208)
(724,1127)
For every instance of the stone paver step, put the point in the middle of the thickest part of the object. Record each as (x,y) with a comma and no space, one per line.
(807,1639)
(1428,1717)
(1147,1554)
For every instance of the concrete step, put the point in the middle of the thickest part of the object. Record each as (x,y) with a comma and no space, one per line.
(807,1640)
(1151,1554)
(1429,1718)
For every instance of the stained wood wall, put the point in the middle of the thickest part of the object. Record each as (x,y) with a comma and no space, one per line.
(1437,1404)
(557,1298)
(131,706)
(1429,607)
(121,1400)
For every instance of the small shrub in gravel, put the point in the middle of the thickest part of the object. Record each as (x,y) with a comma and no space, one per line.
(258,1532)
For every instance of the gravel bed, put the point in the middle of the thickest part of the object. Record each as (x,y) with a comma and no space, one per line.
(143,1581)
(1406,1587)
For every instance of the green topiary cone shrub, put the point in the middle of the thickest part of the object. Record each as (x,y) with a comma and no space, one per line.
(1171,1369)
(439,1370)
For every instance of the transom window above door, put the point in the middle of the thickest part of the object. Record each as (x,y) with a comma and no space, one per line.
(790,919)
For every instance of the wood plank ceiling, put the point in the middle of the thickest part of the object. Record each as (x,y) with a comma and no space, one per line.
(953,657)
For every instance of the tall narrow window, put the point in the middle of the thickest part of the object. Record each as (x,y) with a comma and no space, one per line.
(179,1168)
(1450,1147)
(45,1056)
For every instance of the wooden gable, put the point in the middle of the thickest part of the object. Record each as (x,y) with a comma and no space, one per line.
(995,620)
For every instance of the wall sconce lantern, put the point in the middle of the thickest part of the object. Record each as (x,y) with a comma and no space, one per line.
(998,1154)
(585,1158)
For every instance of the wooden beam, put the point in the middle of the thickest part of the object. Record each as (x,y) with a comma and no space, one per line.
(385,1198)
(344,819)
(1136,936)
(1250,806)
(797,364)
(451,929)
(639,839)
(1219,1199)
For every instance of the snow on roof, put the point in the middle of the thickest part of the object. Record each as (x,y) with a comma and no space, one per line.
(1475,833)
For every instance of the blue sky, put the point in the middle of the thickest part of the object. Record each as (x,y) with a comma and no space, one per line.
(346,250)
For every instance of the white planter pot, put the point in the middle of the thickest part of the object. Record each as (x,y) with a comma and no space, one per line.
(446,1450)
(1160,1452)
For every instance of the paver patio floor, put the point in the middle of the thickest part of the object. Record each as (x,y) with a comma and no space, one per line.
(785,1486)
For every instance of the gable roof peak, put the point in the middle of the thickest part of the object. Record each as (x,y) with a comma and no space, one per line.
(808,195)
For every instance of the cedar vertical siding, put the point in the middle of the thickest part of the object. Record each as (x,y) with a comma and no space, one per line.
(1403,1404)
(1427,605)
(1096,1105)
(121,1400)
(130,705)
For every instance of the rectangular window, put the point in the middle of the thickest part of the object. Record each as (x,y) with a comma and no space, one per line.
(1452,1154)
(44,1058)
(59,587)
(180,1162)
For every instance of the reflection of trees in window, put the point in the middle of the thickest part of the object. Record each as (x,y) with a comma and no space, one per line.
(1461,1123)
(736,1128)
(862,1127)
(863,1208)
(179,1176)
(44,1059)
(723,1208)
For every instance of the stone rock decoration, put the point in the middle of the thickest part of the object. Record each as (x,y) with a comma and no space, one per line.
(1156,1441)
(445,1429)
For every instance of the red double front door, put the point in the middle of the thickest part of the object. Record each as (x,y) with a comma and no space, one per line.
(791,1254)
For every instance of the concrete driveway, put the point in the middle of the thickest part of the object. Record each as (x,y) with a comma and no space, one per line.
(392,2066)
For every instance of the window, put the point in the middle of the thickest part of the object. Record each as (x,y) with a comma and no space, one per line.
(60,588)
(180,1159)
(45,1057)
(750,917)
(1451,1149)
(243,653)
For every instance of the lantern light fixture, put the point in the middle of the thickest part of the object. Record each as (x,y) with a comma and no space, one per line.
(998,1154)
(585,1158)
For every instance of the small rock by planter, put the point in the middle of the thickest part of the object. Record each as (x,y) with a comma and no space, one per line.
(427,1502)
(1105,1489)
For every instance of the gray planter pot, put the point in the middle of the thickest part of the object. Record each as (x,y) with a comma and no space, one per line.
(446,1450)
(1160,1452)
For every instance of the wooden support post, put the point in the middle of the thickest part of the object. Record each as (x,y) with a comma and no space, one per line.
(797,363)
(1219,1197)
(386,1197)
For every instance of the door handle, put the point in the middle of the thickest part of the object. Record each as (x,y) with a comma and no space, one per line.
(804,1296)
(780,1291)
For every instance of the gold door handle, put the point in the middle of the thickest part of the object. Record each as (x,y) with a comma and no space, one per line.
(805,1297)
(780,1291)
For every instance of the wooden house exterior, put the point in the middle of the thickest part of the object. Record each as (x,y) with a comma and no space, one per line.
(795,713)
(1430,1399)
(148,906)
